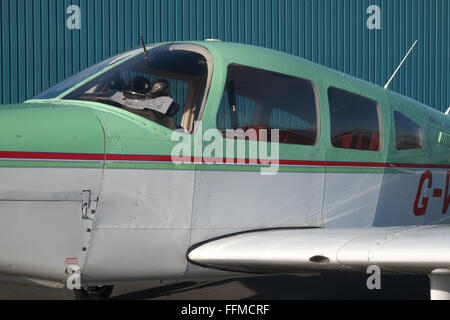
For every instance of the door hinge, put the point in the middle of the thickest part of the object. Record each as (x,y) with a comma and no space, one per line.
(86,203)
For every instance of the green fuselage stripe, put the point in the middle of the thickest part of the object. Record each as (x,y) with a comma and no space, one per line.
(191,167)
(50,164)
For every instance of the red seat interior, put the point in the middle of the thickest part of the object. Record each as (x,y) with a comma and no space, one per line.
(346,141)
(358,141)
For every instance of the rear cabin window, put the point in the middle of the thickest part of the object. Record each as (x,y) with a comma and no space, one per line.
(259,99)
(355,121)
(408,134)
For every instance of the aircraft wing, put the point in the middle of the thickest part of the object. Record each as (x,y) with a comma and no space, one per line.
(420,249)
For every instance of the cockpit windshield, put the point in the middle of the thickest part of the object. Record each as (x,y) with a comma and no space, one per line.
(167,86)
(67,84)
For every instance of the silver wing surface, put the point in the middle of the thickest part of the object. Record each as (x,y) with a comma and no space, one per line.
(422,249)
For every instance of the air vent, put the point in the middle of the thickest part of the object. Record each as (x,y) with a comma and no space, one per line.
(319,259)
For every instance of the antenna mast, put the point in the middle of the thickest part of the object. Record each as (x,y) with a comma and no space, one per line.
(145,50)
(403,61)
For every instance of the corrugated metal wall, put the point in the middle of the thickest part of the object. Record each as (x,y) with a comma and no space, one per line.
(38,50)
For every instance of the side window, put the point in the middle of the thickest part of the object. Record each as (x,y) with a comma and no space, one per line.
(408,134)
(355,121)
(260,99)
(244,114)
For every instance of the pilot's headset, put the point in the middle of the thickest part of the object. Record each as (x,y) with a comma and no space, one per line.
(137,88)
(160,88)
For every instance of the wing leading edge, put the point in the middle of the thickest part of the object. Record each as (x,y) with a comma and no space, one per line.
(422,249)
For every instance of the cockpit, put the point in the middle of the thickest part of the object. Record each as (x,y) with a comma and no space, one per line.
(165,85)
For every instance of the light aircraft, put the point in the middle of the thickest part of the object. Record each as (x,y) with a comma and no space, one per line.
(93,195)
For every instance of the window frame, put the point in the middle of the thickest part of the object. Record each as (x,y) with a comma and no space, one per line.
(124,57)
(297,77)
(395,113)
(379,114)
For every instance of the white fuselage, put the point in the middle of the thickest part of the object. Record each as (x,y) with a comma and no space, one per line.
(140,223)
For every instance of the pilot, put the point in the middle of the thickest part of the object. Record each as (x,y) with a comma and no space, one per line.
(151,101)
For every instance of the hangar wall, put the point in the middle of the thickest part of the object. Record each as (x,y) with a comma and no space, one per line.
(46,41)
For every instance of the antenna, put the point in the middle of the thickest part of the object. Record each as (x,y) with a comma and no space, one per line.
(403,61)
(145,50)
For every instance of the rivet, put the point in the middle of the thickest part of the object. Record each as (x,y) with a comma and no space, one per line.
(84,249)
(93,211)
(89,230)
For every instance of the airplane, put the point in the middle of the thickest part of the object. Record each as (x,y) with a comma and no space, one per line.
(155,165)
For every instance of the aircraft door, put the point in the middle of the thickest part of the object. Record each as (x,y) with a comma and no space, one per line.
(271,174)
